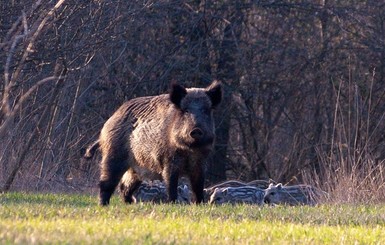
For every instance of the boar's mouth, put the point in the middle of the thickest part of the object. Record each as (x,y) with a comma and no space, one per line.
(203,145)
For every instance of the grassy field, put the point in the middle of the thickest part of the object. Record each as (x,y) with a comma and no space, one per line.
(73,219)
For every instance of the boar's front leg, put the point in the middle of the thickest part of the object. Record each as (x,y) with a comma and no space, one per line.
(197,180)
(170,176)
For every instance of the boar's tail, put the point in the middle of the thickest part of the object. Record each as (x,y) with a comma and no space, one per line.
(90,151)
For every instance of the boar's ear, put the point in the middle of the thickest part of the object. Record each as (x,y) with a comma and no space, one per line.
(177,93)
(214,91)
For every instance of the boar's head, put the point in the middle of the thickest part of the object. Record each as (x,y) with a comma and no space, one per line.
(193,124)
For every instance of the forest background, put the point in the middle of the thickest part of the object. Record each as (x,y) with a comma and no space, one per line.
(304,86)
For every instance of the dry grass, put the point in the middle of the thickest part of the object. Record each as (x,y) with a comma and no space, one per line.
(352,171)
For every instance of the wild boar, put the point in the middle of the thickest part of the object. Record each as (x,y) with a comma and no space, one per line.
(234,195)
(155,192)
(158,137)
(294,195)
(262,184)
(207,192)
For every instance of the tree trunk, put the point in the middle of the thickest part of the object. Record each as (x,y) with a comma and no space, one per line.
(228,75)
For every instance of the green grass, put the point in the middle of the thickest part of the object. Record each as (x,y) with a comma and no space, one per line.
(73,219)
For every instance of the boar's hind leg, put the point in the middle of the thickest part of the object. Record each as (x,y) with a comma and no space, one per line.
(112,170)
(130,182)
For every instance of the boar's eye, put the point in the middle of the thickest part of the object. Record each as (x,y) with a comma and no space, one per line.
(186,110)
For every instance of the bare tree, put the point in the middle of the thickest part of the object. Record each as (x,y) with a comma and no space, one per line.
(303,79)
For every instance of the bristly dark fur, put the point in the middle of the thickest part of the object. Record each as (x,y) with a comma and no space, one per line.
(165,136)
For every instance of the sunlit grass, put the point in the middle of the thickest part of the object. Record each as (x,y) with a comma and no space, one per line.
(58,218)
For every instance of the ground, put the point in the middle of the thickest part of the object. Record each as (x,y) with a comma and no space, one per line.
(73,219)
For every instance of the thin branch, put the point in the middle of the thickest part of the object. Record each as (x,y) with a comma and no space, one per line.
(11,115)
(32,40)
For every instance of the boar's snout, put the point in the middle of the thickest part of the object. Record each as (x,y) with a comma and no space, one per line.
(197,134)
(201,138)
